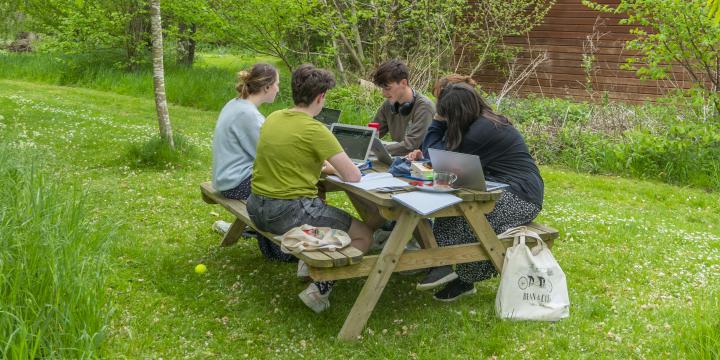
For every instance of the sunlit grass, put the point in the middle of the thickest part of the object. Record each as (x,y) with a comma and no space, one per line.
(635,254)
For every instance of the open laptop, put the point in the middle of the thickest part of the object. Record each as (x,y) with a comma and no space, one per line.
(467,167)
(328,116)
(381,152)
(355,140)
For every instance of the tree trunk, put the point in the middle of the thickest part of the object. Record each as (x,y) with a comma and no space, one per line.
(186,44)
(338,62)
(159,74)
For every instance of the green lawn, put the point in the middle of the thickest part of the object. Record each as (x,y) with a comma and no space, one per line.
(642,258)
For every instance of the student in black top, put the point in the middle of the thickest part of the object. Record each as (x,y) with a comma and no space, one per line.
(465,123)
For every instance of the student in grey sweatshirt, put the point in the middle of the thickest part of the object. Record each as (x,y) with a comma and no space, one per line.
(236,136)
(405,114)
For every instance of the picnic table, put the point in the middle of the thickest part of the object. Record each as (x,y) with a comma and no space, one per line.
(393,257)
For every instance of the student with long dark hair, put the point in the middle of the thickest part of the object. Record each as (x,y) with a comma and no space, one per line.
(468,125)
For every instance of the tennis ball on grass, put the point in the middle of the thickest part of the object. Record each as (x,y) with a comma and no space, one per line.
(200,268)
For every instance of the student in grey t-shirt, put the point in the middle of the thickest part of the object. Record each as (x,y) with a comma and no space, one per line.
(236,136)
(238,128)
(406,114)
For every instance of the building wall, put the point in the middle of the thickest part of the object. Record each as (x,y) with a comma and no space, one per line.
(566,34)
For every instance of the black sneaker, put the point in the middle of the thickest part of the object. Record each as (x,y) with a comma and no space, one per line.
(437,276)
(454,290)
(249,233)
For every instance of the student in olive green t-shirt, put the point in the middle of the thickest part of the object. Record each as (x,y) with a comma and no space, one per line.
(294,147)
(292,152)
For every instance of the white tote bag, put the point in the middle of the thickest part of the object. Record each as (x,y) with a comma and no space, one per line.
(532,284)
(308,238)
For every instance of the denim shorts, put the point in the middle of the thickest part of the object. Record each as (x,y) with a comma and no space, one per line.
(279,215)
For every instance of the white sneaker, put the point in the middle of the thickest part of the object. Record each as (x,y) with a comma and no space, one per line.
(303,272)
(314,300)
(221,227)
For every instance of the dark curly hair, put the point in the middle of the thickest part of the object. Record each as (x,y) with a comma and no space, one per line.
(308,82)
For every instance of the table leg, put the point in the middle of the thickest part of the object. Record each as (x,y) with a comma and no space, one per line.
(379,276)
(425,235)
(367,211)
(233,234)
(475,215)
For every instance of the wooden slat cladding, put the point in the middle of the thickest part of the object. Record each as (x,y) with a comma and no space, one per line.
(564,34)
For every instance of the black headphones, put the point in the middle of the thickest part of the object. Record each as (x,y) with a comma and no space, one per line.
(405,108)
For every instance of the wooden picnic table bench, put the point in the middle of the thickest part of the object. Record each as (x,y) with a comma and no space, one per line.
(350,263)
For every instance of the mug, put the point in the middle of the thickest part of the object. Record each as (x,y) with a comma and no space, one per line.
(443,180)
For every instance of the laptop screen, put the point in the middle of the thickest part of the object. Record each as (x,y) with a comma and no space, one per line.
(328,116)
(355,140)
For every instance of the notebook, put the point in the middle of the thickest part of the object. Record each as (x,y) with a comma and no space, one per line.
(467,167)
(328,116)
(355,140)
(425,203)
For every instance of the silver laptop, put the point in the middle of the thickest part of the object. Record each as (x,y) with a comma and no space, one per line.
(467,167)
(328,116)
(381,152)
(355,140)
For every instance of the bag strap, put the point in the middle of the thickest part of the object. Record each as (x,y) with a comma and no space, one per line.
(518,234)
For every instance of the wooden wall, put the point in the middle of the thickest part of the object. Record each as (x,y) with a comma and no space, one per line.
(564,35)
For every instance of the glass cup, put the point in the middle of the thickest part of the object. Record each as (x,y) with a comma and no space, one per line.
(443,180)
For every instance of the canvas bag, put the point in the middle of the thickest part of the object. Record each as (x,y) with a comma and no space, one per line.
(532,284)
(308,238)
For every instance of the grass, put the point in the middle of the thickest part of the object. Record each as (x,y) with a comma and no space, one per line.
(157,153)
(52,263)
(641,258)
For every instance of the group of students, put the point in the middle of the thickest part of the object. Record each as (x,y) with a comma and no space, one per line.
(276,163)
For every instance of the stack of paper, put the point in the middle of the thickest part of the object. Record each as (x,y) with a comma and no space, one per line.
(373,181)
(425,203)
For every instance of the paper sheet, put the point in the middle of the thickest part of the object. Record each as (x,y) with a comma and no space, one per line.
(373,181)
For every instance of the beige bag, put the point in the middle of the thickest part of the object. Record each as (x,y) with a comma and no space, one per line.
(308,238)
(532,284)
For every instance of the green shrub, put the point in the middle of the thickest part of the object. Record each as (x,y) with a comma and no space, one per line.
(52,266)
(157,153)
(358,105)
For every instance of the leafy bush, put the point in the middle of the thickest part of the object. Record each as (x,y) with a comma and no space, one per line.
(358,105)
(52,266)
(673,144)
(157,153)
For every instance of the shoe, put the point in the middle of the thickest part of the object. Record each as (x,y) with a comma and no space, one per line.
(454,290)
(250,233)
(314,300)
(303,272)
(221,227)
(437,276)
(379,239)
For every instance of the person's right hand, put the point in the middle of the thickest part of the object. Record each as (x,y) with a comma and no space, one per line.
(414,155)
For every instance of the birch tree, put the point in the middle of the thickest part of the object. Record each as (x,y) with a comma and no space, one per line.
(159,74)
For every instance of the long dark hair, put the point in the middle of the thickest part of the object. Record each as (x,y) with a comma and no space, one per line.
(461,105)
